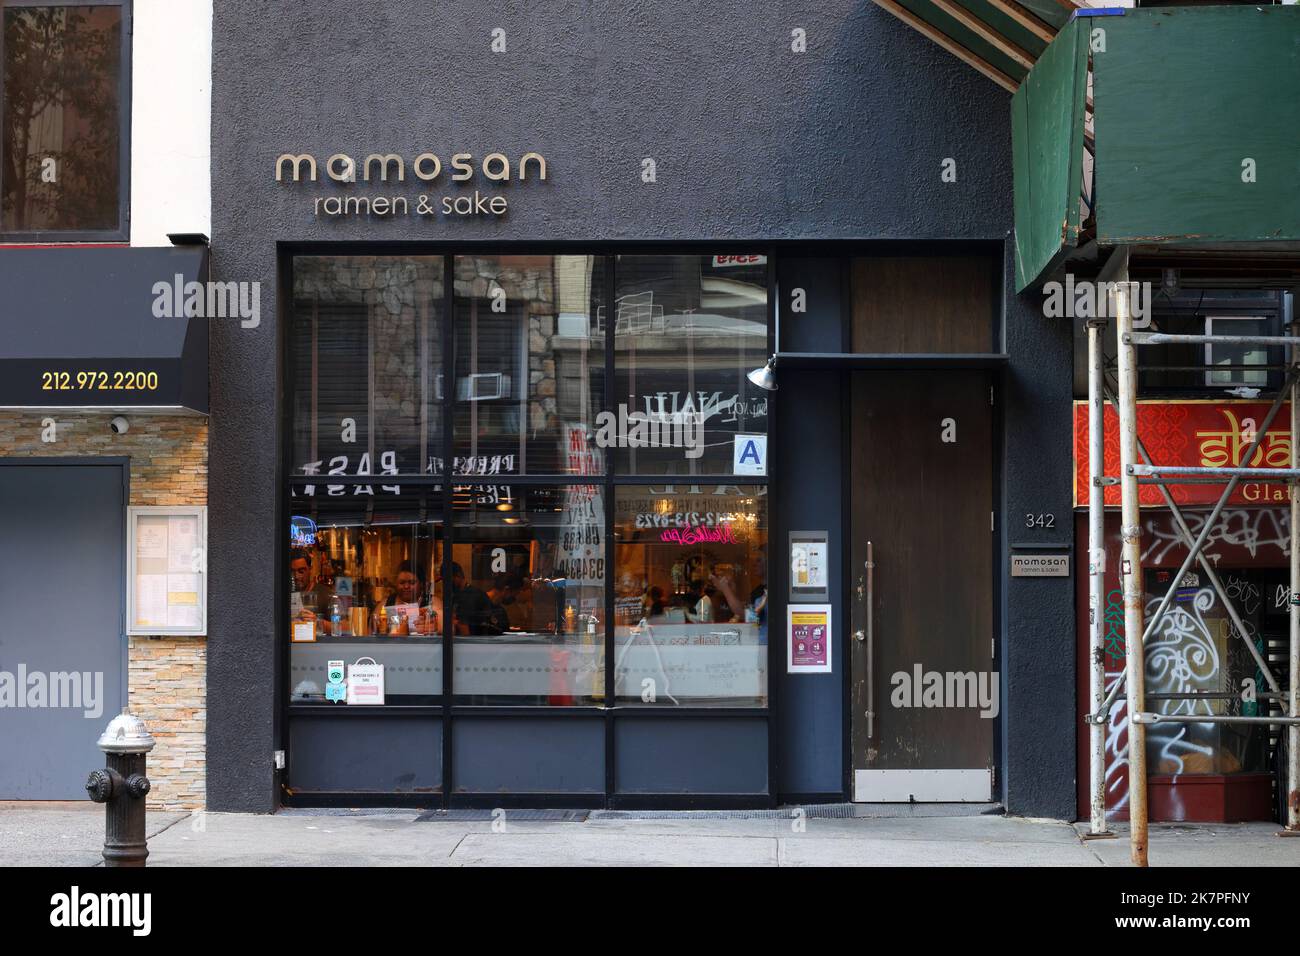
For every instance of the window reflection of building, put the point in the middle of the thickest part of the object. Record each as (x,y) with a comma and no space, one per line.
(365,347)
(60,82)
(528,362)
(686,331)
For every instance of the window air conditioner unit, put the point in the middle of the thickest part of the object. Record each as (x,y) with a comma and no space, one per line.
(483,387)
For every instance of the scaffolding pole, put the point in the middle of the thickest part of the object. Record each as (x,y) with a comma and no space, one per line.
(1096,581)
(1131,575)
(1293,658)
(1134,473)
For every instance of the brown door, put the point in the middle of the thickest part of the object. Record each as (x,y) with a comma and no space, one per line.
(925,696)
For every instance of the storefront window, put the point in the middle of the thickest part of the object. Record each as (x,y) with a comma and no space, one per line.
(364,587)
(366,352)
(528,595)
(530,367)
(531,604)
(687,330)
(690,596)
(60,99)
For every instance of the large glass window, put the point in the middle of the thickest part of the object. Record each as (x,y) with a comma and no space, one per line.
(687,330)
(509,444)
(367,353)
(530,368)
(690,599)
(62,118)
(364,586)
(528,595)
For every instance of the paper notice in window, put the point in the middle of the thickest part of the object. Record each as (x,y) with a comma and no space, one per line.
(182,615)
(182,539)
(151,538)
(151,600)
(182,589)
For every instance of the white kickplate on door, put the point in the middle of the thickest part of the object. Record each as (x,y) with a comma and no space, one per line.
(922,786)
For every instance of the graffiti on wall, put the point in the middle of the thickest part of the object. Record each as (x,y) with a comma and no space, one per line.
(1257,531)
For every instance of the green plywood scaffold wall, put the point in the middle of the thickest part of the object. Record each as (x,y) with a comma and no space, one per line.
(1047,154)
(1197,125)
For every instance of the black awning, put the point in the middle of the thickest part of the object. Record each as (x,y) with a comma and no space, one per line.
(78,328)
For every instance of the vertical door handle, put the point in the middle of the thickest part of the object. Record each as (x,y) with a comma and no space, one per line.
(871,640)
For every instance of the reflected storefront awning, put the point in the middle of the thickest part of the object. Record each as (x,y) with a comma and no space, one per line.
(82,329)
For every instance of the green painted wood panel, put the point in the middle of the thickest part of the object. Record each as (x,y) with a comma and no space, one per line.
(1184,95)
(1049,11)
(1047,155)
(964,36)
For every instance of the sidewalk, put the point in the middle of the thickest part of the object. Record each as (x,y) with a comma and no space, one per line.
(71,836)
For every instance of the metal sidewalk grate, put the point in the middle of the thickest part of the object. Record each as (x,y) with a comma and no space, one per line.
(514,816)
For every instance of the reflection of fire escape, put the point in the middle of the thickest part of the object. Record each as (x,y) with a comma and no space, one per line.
(1285,705)
(635,314)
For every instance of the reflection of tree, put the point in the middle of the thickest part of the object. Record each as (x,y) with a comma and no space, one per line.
(60,88)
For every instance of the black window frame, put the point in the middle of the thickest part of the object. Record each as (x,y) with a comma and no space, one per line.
(446,706)
(123,230)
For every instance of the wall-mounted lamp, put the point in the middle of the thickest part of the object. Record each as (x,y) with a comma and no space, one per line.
(765,377)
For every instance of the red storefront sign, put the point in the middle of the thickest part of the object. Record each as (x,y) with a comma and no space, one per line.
(1196,433)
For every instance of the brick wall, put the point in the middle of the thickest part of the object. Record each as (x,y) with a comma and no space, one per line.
(167,679)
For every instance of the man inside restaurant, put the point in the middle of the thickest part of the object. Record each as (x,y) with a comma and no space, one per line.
(313,594)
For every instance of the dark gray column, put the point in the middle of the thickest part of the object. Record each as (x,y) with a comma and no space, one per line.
(1038,667)
(244,489)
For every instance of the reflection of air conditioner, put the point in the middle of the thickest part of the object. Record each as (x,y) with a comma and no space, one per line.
(483,387)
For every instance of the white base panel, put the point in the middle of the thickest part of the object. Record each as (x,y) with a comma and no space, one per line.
(922,786)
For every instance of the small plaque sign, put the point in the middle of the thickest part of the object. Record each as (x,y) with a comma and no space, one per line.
(1040,565)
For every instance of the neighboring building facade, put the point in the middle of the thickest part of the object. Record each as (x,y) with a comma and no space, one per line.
(104,116)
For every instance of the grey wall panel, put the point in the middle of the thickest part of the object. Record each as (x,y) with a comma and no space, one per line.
(1038,654)
(387,754)
(521,755)
(717,755)
(62,652)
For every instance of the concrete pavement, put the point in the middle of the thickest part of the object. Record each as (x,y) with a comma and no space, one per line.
(70,835)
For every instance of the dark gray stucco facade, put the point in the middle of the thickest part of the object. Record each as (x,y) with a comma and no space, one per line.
(751,141)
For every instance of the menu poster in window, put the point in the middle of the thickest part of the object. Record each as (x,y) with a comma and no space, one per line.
(808,644)
(581,554)
(182,542)
(167,588)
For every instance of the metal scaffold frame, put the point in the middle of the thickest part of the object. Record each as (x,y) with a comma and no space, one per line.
(1133,474)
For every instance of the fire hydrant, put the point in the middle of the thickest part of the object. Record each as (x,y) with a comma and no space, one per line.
(122,787)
